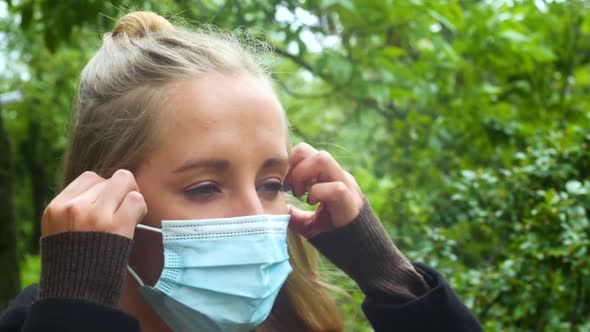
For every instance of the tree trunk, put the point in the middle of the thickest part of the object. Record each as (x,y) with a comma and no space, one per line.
(40,190)
(10,276)
(40,186)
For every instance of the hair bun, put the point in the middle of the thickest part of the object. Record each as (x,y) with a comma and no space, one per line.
(140,24)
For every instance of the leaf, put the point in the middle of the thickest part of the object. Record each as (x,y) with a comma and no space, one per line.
(393,52)
(542,53)
(491,89)
(575,187)
(440,18)
(469,175)
(514,36)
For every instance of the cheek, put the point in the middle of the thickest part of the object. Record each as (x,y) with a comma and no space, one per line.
(147,256)
(276,206)
(149,190)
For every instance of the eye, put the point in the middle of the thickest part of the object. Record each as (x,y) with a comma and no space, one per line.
(271,186)
(270,189)
(204,190)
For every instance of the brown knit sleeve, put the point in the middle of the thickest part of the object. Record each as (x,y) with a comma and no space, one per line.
(366,253)
(84,265)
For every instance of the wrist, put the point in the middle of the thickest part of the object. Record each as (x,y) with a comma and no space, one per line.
(364,250)
(84,265)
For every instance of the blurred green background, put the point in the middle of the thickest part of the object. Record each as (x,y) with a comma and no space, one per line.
(465,123)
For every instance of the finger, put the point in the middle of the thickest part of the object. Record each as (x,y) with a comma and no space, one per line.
(57,213)
(81,184)
(329,192)
(118,186)
(129,214)
(91,195)
(300,220)
(300,152)
(339,201)
(319,168)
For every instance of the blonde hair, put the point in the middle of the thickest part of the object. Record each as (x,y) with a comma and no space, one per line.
(121,90)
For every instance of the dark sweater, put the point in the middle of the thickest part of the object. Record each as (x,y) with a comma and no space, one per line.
(82,277)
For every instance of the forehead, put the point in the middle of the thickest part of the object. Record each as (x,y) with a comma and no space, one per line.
(218,114)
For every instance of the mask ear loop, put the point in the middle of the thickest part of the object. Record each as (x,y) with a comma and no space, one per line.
(149,228)
(131,271)
(135,275)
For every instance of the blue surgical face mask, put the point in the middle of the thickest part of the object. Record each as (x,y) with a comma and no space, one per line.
(219,274)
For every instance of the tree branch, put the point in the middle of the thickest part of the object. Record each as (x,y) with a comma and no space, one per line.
(486,310)
(389,113)
(306,96)
(294,58)
(576,27)
(297,131)
(578,304)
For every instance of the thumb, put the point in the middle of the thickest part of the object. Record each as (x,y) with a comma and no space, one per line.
(301,220)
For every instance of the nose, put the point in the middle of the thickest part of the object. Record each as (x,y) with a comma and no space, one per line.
(247,203)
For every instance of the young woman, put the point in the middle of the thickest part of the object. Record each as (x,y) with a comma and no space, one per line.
(174,215)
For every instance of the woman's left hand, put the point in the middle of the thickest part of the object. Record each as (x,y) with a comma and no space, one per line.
(339,196)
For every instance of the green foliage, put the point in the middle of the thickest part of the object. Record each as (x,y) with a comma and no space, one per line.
(463,121)
(30,270)
(525,230)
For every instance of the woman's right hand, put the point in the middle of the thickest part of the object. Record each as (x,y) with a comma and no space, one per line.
(92,204)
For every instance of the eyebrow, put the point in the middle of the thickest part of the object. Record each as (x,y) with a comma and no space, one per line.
(272,162)
(220,164)
(209,163)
